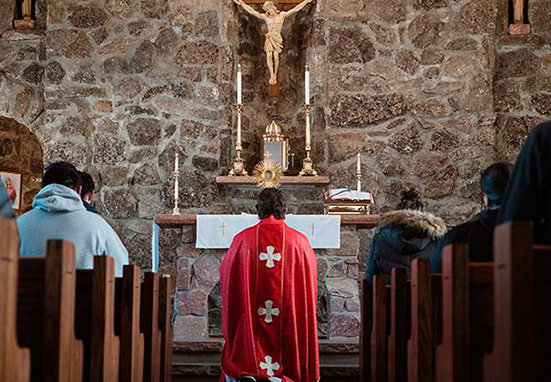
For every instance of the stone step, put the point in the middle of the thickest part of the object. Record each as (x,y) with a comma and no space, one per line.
(200,360)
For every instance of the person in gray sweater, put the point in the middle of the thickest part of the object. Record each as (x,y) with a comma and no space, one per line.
(58,213)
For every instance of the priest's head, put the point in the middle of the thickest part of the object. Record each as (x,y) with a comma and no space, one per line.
(271,202)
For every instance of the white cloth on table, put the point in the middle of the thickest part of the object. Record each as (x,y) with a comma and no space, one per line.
(218,231)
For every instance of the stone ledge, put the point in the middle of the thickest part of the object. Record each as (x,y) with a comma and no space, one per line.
(287,180)
(177,221)
(22,35)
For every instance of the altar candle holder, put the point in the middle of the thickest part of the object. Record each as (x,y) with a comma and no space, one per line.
(238,163)
(307,164)
(176,175)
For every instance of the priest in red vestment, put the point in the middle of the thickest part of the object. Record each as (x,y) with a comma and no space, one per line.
(269,298)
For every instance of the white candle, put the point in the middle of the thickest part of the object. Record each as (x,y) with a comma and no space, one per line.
(239,85)
(307,86)
(176,163)
(359,164)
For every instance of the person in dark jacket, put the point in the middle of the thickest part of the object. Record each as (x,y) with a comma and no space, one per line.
(479,232)
(87,193)
(404,235)
(528,196)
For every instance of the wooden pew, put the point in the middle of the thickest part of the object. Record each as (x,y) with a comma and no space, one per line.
(420,344)
(46,314)
(149,322)
(165,326)
(95,320)
(127,324)
(400,324)
(379,336)
(365,331)
(542,263)
(15,362)
(467,293)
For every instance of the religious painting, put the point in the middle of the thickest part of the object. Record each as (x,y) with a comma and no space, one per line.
(12,184)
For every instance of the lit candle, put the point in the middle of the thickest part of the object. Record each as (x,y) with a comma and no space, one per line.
(307,86)
(359,172)
(176,180)
(239,85)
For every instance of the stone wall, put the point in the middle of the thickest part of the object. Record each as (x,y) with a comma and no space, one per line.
(523,86)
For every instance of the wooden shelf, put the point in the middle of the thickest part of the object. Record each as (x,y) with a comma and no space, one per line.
(177,221)
(289,180)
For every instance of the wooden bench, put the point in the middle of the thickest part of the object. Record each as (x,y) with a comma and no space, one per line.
(46,314)
(467,294)
(95,320)
(127,324)
(149,322)
(15,362)
(400,325)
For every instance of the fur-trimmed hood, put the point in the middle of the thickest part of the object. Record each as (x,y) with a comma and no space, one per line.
(424,222)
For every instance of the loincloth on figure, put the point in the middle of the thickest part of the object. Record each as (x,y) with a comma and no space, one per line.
(274,42)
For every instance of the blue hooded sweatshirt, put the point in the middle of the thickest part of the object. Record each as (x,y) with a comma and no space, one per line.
(58,213)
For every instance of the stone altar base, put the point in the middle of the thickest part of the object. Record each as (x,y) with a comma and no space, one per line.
(197,327)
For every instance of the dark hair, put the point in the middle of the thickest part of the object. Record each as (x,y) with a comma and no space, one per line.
(271,202)
(63,173)
(494,180)
(87,183)
(410,200)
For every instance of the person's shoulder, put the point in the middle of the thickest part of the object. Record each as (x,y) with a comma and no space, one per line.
(461,232)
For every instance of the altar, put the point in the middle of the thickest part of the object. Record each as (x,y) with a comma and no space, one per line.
(197,323)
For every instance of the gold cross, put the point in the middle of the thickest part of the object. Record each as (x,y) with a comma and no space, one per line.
(313,230)
(224,226)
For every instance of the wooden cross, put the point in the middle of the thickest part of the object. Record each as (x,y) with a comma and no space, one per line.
(223,226)
(519,25)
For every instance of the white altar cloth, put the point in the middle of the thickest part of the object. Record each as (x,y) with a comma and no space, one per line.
(218,231)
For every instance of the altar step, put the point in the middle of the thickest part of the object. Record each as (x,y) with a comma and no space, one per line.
(199,361)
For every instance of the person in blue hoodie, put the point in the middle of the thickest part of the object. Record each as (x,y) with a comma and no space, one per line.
(6,210)
(58,213)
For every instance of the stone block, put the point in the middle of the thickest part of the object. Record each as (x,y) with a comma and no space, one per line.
(206,24)
(68,44)
(517,63)
(146,174)
(87,16)
(192,303)
(407,140)
(391,11)
(540,17)
(542,103)
(476,17)
(344,288)
(144,131)
(360,109)
(183,282)
(198,52)
(426,30)
(337,269)
(108,149)
(155,9)
(348,45)
(103,106)
(353,305)
(7,10)
(345,145)
(336,304)
(190,328)
(407,61)
(121,204)
(344,325)
(205,273)
(34,73)
(144,57)
(204,163)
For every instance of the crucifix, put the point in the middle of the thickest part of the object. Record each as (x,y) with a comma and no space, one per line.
(519,26)
(24,15)
(223,227)
(274,19)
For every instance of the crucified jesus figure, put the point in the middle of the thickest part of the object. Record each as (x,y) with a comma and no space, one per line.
(274,19)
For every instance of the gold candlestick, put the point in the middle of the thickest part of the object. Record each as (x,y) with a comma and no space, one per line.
(307,164)
(238,164)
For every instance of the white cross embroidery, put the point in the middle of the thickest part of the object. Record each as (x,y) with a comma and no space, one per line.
(268,311)
(270,256)
(269,366)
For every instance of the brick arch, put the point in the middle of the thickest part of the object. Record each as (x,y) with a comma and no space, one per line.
(21,153)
